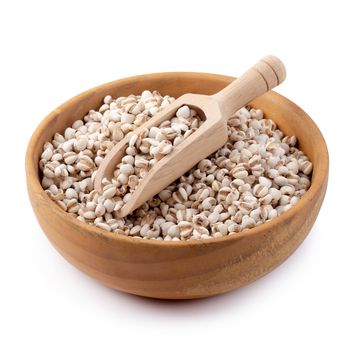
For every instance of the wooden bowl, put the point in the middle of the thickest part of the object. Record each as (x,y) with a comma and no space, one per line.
(178,270)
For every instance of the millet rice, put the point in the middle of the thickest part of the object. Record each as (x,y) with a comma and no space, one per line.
(257,175)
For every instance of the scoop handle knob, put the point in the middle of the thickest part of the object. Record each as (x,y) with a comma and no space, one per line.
(268,73)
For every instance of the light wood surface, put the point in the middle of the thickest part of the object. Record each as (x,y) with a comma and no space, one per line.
(216,109)
(178,270)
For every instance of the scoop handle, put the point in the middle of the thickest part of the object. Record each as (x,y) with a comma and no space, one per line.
(262,77)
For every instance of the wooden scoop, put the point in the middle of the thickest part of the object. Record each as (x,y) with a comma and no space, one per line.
(211,135)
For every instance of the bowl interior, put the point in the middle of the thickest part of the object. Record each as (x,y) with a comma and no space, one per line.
(290,118)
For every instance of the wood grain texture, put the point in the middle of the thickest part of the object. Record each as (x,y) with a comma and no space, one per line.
(212,134)
(178,270)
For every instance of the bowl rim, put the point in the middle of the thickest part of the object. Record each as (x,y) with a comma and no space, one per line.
(34,184)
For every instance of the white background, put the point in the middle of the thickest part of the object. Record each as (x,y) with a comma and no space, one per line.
(51,51)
